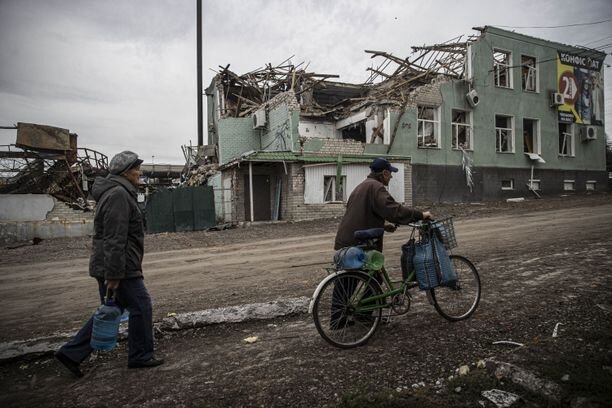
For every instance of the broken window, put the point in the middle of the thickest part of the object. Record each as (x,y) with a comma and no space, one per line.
(330,189)
(569,185)
(591,185)
(534,184)
(501,68)
(462,130)
(529,73)
(504,141)
(356,131)
(507,184)
(428,134)
(531,136)
(566,139)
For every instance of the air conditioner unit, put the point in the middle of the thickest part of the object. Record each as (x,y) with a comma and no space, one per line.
(589,133)
(556,99)
(259,119)
(472,98)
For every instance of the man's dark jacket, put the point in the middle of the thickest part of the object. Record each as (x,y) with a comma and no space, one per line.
(118,242)
(369,205)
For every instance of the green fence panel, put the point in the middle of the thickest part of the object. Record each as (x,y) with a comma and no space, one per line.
(159,212)
(203,208)
(183,209)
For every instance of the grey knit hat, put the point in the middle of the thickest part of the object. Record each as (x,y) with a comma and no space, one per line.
(123,161)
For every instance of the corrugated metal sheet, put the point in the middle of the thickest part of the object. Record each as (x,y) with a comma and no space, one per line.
(43,137)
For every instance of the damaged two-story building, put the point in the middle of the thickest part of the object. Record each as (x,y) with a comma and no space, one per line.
(483,118)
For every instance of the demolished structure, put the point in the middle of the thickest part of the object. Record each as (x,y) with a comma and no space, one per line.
(286,143)
(47,160)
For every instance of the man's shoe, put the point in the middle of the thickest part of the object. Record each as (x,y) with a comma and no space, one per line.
(152,362)
(69,364)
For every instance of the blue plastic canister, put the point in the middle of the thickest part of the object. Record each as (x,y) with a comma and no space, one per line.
(106,326)
(349,258)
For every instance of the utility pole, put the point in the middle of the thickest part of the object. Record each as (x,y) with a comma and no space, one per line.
(199,56)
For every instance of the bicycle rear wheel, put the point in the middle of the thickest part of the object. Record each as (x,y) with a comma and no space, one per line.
(340,315)
(459,302)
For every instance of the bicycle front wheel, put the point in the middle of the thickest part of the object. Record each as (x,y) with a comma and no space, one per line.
(342,313)
(458,302)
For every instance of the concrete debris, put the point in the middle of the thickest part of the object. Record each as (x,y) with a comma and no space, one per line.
(515,200)
(481,364)
(501,399)
(525,379)
(555,330)
(236,314)
(511,343)
(233,314)
(464,370)
(565,378)
(251,339)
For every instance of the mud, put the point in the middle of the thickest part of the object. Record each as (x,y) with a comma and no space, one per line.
(541,263)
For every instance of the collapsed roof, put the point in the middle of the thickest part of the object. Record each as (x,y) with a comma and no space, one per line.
(389,83)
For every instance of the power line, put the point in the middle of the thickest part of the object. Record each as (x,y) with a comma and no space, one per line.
(584,52)
(601,39)
(560,26)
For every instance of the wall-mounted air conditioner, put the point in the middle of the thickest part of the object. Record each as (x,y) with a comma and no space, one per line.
(259,119)
(472,98)
(589,132)
(556,99)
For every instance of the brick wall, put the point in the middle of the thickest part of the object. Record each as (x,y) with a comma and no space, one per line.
(341,146)
(61,212)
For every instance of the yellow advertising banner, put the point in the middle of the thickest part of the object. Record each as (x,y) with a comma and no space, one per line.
(580,82)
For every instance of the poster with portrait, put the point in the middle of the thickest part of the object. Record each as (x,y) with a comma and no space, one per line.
(580,81)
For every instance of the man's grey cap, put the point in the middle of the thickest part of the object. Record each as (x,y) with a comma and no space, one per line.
(123,161)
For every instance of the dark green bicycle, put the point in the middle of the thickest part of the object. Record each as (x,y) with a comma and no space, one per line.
(347,306)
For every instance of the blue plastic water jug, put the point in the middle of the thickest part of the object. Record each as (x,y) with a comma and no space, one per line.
(106,325)
(349,258)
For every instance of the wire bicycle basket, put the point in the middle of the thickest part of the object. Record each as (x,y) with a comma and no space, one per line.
(445,231)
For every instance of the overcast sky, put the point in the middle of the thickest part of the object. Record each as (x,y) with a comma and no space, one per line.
(122,73)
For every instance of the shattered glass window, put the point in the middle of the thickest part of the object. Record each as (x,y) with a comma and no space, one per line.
(428,134)
(566,140)
(529,73)
(461,130)
(501,68)
(504,140)
(332,191)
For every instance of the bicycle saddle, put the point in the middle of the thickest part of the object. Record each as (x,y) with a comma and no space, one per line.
(364,235)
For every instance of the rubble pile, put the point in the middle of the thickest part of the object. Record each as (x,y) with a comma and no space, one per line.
(46,160)
(198,175)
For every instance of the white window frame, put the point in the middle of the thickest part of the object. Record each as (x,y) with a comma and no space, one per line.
(422,124)
(467,126)
(511,187)
(590,185)
(498,134)
(532,75)
(569,185)
(571,145)
(499,66)
(537,136)
(332,186)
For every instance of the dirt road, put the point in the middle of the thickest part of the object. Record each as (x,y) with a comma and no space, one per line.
(538,268)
